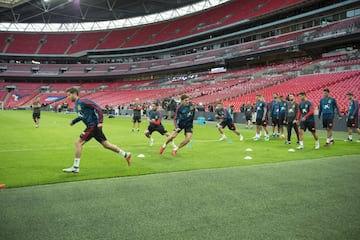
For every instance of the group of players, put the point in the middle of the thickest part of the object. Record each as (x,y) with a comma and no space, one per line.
(289,114)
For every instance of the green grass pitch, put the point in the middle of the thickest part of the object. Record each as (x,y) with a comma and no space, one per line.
(32,156)
(208,191)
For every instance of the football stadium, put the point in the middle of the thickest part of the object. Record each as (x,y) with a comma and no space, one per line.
(193,119)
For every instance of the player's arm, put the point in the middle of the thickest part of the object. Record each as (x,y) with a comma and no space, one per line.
(298,116)
(156,121)
(75,120)
(336,109)
(265,111)
(320,108)
(355,109)
(176,117)
(311,111)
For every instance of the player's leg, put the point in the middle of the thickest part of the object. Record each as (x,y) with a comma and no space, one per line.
(312,128)
(148,132)
(188,135)
(133,124)
(138,124)
(273,124)
(220,128)
(78,151)
(301,135)
(232,127)
(281,125)
(289,130)
(350,126)
(170,138)
(265,126)
(258,130)
(296,128)
(100,137)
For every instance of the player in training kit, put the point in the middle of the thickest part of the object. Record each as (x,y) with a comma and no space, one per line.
(292,109)
(91,114)
(155,124)
(307,120)
(136,114)
(225,120)
(249,109)
(36,105)
(282,112)
(328,108)
(352,116)
(261,118)
(183,120)
(274,110)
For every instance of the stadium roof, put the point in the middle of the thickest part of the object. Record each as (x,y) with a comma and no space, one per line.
(88,15)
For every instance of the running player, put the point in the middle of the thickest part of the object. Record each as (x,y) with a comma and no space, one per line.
(261,118)
(91,114)
(225,120)
(352,116)
(274,110)
(183,120)
(36,105)
(155,124)
(249,109)
(282,112)
(328,108)
(307,120)
(292,109)
(136,114)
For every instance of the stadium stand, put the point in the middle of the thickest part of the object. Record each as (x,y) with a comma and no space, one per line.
(56,43)
(150,34)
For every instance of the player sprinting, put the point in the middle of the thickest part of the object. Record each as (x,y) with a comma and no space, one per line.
(292,109)
(261,118)
(91,114)
(136,115)
(275,111)
(155,124)
(225,120)
(327,110)
(36,106)
(352,117)
(282,112)
(183,120)
(307,120)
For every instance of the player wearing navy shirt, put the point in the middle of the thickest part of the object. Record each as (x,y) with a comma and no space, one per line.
(155,124)
(183,120)
(91,115)
(352,117)
(261,118)
(307,120)
(225,119)
(327,110)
